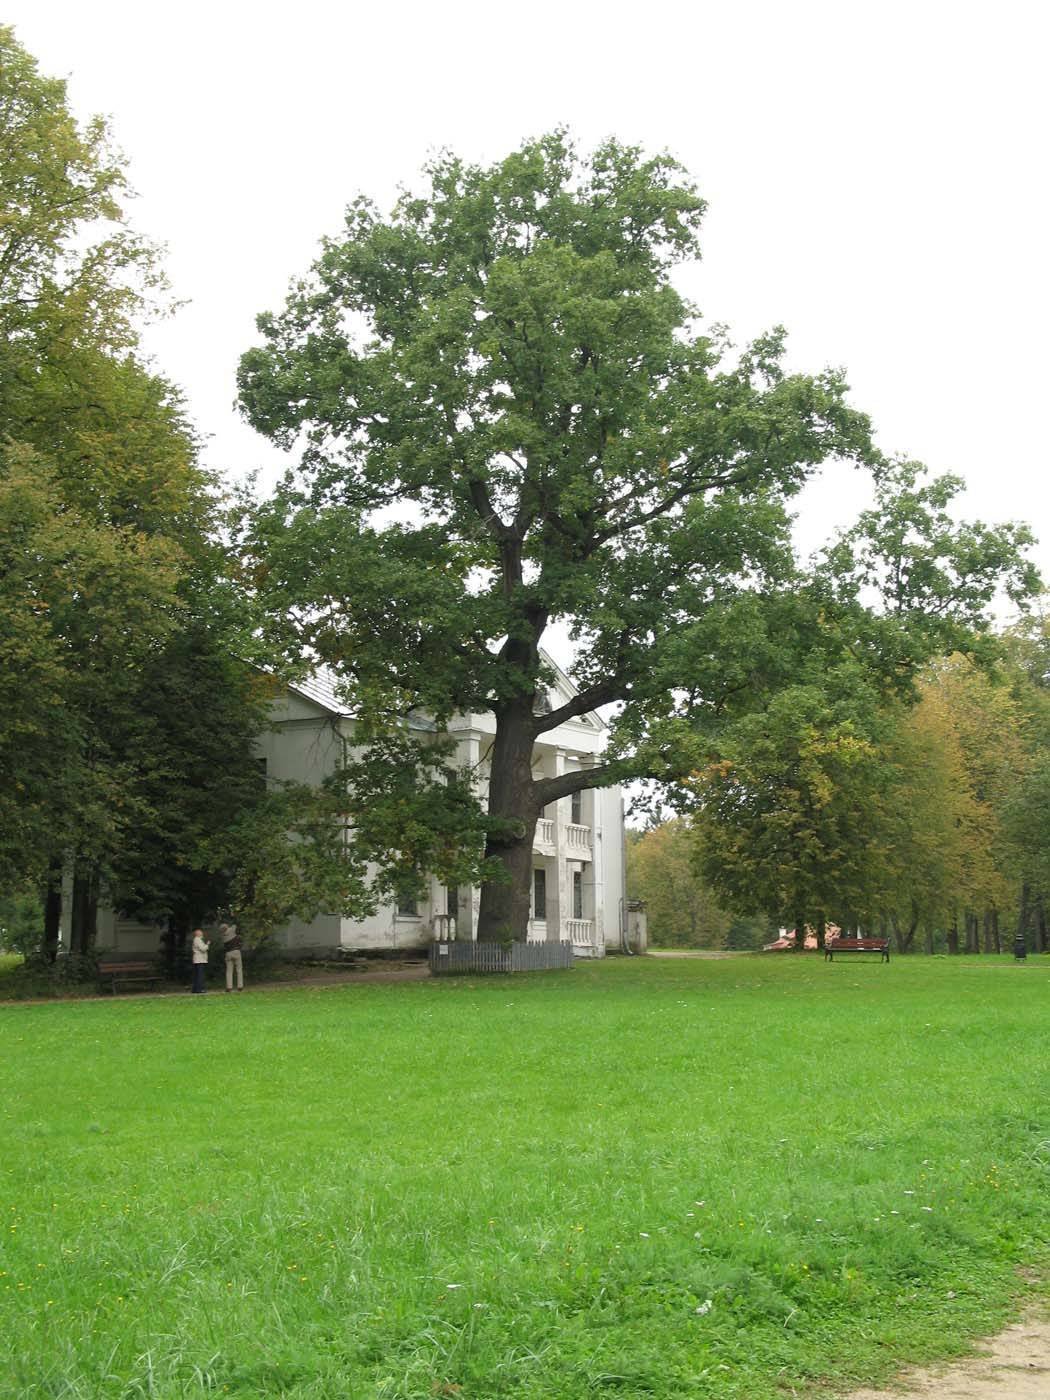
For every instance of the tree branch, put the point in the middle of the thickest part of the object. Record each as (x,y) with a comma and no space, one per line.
(550,789)
(602,693)
(482,503)
(691,487)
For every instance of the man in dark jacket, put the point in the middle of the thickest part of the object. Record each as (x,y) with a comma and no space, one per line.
(231,943)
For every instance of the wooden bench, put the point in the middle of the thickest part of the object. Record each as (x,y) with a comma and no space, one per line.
(856,945)
(122,972)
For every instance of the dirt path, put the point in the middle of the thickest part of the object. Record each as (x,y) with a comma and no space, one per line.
(1015,1365)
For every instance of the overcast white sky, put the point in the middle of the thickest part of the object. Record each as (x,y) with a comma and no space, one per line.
(876,175)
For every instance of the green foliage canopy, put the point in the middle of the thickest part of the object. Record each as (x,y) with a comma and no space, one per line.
(509,417)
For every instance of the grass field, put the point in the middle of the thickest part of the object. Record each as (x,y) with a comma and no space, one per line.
(639,1178)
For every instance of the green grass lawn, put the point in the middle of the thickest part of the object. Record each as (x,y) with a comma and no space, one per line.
(639,1178)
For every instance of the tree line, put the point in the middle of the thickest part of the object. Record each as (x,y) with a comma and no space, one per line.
(505,417)
(922,821)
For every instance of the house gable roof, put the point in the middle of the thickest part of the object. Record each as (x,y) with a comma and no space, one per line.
(322,687)
(590,719)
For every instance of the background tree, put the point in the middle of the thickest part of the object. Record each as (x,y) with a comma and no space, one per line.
(192,777)
(935,852)
(110,575)
(509,417)
(988,726)
(792,817)
(913,814)
(21,918)
(682,911)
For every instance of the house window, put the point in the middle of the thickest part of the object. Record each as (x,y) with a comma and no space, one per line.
(452,900)
(577,807)
(539,894)
(577,894)
(407,906)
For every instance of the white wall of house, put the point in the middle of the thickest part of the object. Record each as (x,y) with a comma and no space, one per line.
(578,843)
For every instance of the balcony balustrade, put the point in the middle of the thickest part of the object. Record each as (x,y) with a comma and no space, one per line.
(578,839)
(580,932)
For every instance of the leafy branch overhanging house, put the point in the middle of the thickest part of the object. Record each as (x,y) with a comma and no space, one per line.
(578,874)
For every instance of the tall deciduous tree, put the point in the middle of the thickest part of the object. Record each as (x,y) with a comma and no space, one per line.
(791,817)
(510,418)
(1026,811)
(109,573)
(682,910)
(935,857)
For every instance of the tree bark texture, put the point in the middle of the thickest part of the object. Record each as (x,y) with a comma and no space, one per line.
(504,908)
(84,922)
(52,910)
(953,936)
(905,937)
(972,945)
(800,931)
(1023,912)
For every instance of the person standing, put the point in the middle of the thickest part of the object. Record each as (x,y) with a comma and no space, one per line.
(232,944)
(200,959)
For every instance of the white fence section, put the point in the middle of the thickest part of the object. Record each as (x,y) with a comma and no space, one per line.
(446,959)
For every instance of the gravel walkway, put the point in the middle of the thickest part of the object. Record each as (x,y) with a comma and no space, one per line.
(1015,1365)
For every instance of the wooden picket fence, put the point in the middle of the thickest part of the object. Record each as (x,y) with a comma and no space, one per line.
(450,959)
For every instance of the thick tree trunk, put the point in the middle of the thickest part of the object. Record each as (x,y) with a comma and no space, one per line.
(800,931)
(928,939)
(52,910)
(972,945)
(1023,912)
(173,940)
(822,932)
(1041,943)
(904,937)
(504,908)
(84,923)
(953,935)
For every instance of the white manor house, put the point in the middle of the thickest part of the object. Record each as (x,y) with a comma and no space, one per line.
(578,867)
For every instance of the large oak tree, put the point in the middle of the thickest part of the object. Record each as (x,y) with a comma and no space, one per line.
(509,418)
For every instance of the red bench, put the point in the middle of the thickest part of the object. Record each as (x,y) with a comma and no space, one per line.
(857,945)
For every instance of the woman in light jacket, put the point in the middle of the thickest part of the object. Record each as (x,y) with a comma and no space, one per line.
(200,959)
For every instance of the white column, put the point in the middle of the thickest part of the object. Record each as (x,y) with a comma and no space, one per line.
(468,753)
(559,893)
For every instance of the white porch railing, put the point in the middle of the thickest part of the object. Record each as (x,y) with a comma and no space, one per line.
(578,837)
(544,832)
(443,927)
(580,932)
